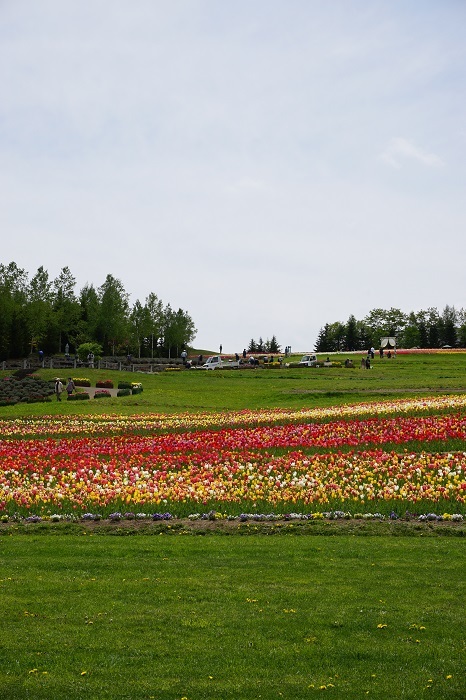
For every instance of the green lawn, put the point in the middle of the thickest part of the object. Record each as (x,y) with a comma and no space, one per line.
(231,617)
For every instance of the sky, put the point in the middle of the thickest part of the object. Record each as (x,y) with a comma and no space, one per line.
(268,166)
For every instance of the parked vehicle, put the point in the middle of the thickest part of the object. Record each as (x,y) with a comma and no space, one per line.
(217,362)
(308,361)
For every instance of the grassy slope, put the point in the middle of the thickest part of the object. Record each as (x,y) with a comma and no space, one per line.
(197,390)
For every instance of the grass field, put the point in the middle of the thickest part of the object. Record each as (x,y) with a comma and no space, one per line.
(230,617)
(100,614)
(198,390)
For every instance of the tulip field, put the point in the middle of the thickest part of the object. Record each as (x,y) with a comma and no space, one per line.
(384,457)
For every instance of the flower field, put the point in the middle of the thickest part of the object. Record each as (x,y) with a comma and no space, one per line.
(356,458)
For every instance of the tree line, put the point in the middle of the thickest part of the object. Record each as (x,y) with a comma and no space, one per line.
(267,346)
(422,329)
(40,313)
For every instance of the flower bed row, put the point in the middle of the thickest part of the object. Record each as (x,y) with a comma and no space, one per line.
(58,426)
(285,466)
(282,481)
(243,517)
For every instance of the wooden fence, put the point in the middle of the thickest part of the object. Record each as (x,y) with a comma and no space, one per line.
(115,364)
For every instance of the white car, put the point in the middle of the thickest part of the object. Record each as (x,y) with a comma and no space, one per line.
(308,360)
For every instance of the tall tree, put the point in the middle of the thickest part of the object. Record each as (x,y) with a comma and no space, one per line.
(154,308)
(449,320)
(65,306)
(411,336)
(322,343)
(89,305)
(113,327)
(39,310)
(14,337)
(351,332)
(179,330)
(140,325)
(274,347)
(433,328)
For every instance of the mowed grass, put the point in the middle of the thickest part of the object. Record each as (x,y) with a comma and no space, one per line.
(200,390)
(231,617)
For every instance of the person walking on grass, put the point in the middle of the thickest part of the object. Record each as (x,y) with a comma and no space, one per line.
(58,388)
(70,387)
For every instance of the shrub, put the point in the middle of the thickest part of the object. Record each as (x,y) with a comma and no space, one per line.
(136,390)
(81,381)
(78,397)
(124,385)
(104,384)
(102,394)
(124,392)
(25,389)
(85,348)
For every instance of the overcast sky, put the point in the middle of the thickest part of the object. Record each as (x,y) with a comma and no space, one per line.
(266,165)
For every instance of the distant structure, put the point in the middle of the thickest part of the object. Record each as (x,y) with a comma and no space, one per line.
(388,343)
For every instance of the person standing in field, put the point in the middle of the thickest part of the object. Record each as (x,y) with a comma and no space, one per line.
(70,387)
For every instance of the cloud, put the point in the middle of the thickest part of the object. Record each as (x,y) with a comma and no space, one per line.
(400,149)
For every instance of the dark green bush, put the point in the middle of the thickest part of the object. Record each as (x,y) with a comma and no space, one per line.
(15,389)
(124,385)
(136,390)
(78,397)
(124,392)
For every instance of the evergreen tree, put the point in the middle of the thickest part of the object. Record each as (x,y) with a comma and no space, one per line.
(274,347)
(351,333)
(449,321)
(322,342)
(433,328)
